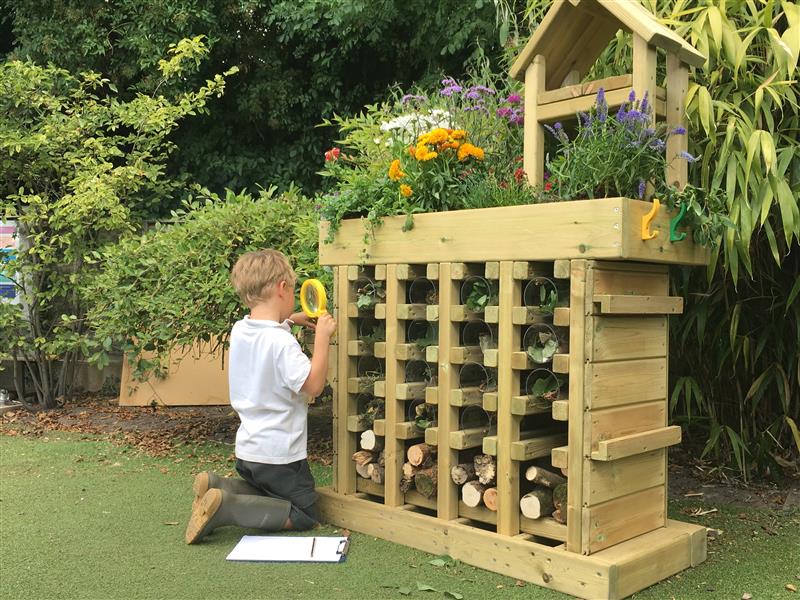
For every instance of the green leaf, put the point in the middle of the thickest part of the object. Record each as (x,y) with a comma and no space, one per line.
(424,587)
(437,562)
(404,590)
(455,595)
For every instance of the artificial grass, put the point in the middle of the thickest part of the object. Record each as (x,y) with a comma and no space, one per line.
(82,518)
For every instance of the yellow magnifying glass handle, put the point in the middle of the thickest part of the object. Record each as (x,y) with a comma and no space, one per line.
(313,299)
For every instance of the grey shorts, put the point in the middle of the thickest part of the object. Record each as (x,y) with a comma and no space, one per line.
(292,482)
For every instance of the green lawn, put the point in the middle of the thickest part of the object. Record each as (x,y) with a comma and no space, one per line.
(82,518)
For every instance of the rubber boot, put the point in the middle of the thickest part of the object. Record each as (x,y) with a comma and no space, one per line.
(218,508)
(208,479)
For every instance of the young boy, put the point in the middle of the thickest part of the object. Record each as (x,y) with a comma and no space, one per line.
(267,373)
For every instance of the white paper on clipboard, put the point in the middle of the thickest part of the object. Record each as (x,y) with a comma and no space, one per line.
(264,548)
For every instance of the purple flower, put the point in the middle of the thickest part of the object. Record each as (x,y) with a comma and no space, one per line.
(411,98)
(557,126)
(657,144)
(551,130)
(504,112)
(516,117)
(649,132)
(643,107)
(679,131)
(472,95)
(586,119)
(514,99)
(450,87)
(686,156)
(641,188)
(621,114)
(632,96)
(481,89)
(476,107)
(602,106)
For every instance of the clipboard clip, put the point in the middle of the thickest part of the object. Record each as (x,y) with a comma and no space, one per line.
(344,546)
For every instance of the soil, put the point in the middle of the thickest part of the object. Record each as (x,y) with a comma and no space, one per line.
(158,430)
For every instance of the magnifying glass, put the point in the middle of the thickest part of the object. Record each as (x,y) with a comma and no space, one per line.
(313,299)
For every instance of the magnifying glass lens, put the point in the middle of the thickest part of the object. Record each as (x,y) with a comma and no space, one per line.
(312,300)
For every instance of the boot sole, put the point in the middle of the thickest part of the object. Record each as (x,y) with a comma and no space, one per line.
(200,487)
(202,515)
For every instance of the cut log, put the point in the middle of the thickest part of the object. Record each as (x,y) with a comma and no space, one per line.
(382,458)
(537,504)
(363,457)
(409,470)
(560,498)
(461,474)
(376,472)
(362,470)
(490,498)
(421,455)
(406,484)
(560,516)
(426,481)
(485,468)
(472,493)
(370,441)
(544,477)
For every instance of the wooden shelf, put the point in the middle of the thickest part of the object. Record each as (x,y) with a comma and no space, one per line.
(432,395)
(417,499)
(477,513)
(638,305)
(464,354)
(637,443)
(358,348)
(546,527)
(466,397)
(408,430)
(356,424)
(432,436)
(409,352)
(379,389)
(559,457)
(414,390)
(432,354)
(367,486)
(536,447)
(560,363)
(379,427)
(529,405)
(561,410)
(471,437)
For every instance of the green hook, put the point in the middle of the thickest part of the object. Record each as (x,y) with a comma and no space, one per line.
(674,236)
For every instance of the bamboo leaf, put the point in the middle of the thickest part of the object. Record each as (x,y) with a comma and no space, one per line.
(789,211)
(792,295)
(755,390)
(715,23)
(768,150)
(773,244)
(795,433)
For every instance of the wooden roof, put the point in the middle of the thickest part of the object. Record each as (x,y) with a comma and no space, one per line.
(573,33)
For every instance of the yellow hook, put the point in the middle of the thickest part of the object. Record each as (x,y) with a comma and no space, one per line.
(647,219)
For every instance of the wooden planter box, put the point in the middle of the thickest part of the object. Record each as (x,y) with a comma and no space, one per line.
(608,430)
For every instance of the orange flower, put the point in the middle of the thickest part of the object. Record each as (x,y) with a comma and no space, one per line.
(458,134)
(424,153)
(466,150)
(395,173)
(412,151)
(406,190)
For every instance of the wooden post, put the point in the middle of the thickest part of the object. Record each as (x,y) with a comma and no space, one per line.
(447,493)
(345,481)
(533,141)
(677,86)
(507,386)
(395,451)
(644,71)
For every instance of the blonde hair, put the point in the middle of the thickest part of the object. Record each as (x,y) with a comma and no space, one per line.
(256,273)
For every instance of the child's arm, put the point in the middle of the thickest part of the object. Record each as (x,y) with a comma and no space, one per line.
(315,382)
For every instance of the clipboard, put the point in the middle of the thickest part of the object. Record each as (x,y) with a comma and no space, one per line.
(265,548)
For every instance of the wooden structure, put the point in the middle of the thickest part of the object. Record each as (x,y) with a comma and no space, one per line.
(566,45)
(599,269)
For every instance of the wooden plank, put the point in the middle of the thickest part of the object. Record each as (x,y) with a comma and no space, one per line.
(559,457)
(407,430)
(561,269)
(533,134)
(621,338)
(528,270)
(432,312)
(561,363)
(432,354)
(353,312)
(639,305)
(527,315)
(447,416)
(490,401)
(491,314)
(677,86)
(618,281)
(379,389)
(406,271)
(432,395)
(626,420)
(463,354)
(380,272)
(472,437)
(409,352)
(354,272)
(609,480)
(459,312)
(545,527)
(537,447)
(625,518)
(466,397)
(489,445)
(393,445)
(492,270)
(462,270)
(359,348)
(379,427)
(417,499)
(561,316)
(345,403)
(560,410)
(412,311)
(644,69)
(577,330)
(491,358)
(585,229)
(615,82)
(380,310)
(529,405)
(637,443)
(649,558)
(508,424)
(554,568)
(359,385)
(414,390)
(367,486)
(625,382)
(355,424)
(432,272)
(566,109)
(432,439)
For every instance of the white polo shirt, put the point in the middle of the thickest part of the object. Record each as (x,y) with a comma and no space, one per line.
(267,368)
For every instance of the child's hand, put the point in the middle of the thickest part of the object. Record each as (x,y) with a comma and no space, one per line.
(326,325)
(303,320)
